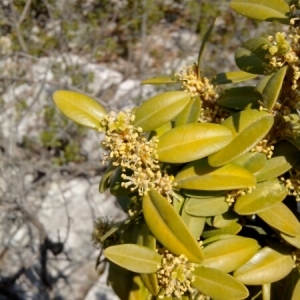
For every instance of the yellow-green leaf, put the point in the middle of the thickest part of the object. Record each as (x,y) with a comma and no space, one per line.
(292,240)
(134,258)
(244,97)
(248,127)
(251,56)
(281,217)
(194,224)
(232,229)
(192,141)
(232,77)
(206,207)
(146,238)
(296,292)
(275,167)
(168,227)
(190,114)
(80,108)
(251,161)
(218,285)
(225,219)
(160,80)
(263,10)
(262,197)
(229,254)
(273,87)
(160,109)
(199,175)
(267,265)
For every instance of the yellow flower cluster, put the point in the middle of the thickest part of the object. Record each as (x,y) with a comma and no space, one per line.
(232,196)
(137,157)
(262,147)
(175,275)
(293,186)
(195,86)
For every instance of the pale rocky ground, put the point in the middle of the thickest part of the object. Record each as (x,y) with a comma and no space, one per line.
(40,201)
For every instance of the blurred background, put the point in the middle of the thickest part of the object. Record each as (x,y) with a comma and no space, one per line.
(50,168)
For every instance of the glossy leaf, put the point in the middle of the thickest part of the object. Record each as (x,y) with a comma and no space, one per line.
(226,219)
(161,130)
(251,161)
(251,56)
(248,127)
(296,292)
(262,83)
(206,207)
(275,167)
(80,108)
(244,97)
(190,114)
(168,227)
(214,238)
(229,254)
(292,240)
(160,109)
(120,280)
(218,285)
(133,257)
(273,87)
(232,229)
(281,217)
(263,10)
(232,77)
(194,224)
(199,175)
(147,239)
(262,197)
(203,44)
(202,194)
(160,80)
(267,265)
(192,141)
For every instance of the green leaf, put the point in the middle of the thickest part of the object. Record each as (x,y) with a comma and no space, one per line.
(120,280)
(168,227)
(202,194)
(229,254)
(251,56)
(248,127)
(161,130)
(232,77)
(190,113)
(281,217)
(217,238)
(263,10)
(203,44)
(296,292)
(80,108)
(218,285)
(275,167)
(199,175)
(226,219)
(267,265)
(133,257)
(194,224)
(262,83)
(160,109)
(106,178)
(138,290)
(251,161)
(262,197)
(146,238)
(206,207)
(244,97)
(232,229)
(292,240)
(273,87)
(192,141)
(160,80)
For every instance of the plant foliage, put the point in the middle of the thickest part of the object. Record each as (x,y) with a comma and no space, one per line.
(209,176)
